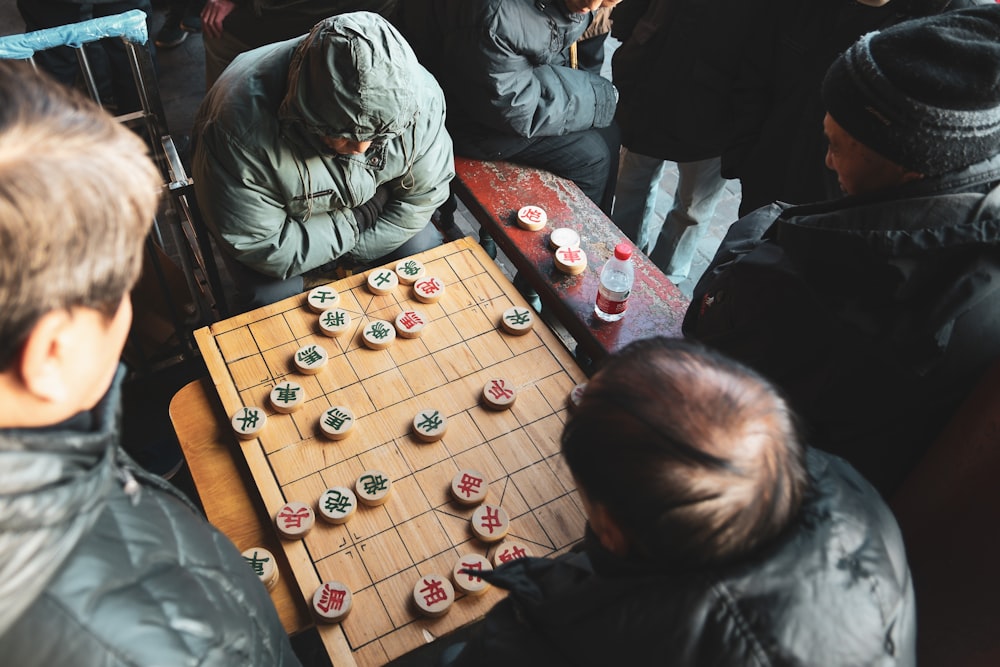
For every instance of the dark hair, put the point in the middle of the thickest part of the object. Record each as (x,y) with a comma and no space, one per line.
(77,196)
(695,456)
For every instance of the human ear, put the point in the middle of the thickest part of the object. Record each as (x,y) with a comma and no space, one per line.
(610,534)
(42,363)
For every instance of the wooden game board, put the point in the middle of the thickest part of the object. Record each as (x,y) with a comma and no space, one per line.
(382,550)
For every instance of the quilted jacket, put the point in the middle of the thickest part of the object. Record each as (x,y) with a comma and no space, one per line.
(97,570)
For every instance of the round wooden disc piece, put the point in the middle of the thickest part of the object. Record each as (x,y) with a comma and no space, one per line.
(562,237)
(336,422)
(499,394)
(507,551)
(433,595)
(409,270)
(382,281)
(429,425)
(411,323)
(248,422)
(373,488)
(287,397)
(322,298)
(465,577)
(310,359)
(332,602)
(334,322)
(517,321)
(294,520)
(337,504)
(532,218)
(261,561)
(570,259)
(490,523)
(428,290)
(378,334)
(469,487)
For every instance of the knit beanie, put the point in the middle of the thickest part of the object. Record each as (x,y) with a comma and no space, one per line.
(924,93)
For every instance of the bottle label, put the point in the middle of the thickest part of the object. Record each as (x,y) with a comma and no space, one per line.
(610,302)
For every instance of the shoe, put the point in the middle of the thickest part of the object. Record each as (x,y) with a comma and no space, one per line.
(170,35)
(191,23)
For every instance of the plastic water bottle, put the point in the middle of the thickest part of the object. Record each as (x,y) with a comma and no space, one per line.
(616,284)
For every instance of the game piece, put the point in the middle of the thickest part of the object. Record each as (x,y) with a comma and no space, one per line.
(337,505)
(532,218)
(248,422)
(332,601)
(499,394)
(378,334)
(517,321)
(263,564)
(382,281)
(322,298)
(429,425)
(294,520)
(411,323)
(562,237)
(469,487)
(337,422)
(428,290)
(576,394)
(373,488)
(287,397)
(570,259)
(310,359)
(433,595)
(334,322)
(507,551)
(489,523)
(470,583)
(409,270)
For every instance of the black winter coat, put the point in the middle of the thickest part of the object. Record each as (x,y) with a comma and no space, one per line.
(875,313)
(504,68)
(834,589)
(675,73)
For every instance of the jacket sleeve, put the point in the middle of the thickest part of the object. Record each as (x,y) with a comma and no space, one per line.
(416,194)
(515,90)
(239,199)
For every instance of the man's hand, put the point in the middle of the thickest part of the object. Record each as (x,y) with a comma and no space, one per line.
(212,16)
(366,214)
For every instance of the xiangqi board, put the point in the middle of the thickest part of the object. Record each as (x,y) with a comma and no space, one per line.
(382,551)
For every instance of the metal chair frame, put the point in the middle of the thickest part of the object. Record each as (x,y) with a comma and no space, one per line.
(194,250)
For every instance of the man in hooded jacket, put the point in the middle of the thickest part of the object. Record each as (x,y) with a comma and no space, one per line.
(327,148)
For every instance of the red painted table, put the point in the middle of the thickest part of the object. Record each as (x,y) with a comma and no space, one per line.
(493,193)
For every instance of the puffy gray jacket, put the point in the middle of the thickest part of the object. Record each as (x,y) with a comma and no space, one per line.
(94,575)
(504,67)
(275,197)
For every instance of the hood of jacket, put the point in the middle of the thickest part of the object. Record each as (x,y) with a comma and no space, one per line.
(341,84)
(55,484)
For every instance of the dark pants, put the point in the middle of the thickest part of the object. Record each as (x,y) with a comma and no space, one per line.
(588,158)
(257,290)
(108,58)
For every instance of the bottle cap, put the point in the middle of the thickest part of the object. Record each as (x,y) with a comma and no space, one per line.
(623,251)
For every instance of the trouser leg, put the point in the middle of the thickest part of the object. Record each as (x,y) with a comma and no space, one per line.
(636,190)
(699,190)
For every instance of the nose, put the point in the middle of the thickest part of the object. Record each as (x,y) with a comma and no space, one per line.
(356,147)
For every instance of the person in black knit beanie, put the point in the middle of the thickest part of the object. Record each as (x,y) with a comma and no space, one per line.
(877,313)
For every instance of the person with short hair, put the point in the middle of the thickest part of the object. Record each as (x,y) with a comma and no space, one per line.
(715,536)
(320,152)
(876,313)
(101,563)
